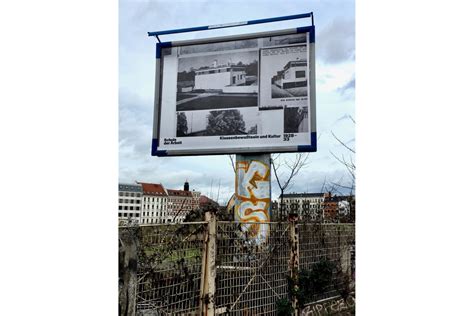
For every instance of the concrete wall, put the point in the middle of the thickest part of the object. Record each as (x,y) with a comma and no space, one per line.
(212,81)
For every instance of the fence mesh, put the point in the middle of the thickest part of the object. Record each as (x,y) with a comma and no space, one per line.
(169,269)
(250,277)
(328,248)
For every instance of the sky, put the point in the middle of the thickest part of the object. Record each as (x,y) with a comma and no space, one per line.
(213,175)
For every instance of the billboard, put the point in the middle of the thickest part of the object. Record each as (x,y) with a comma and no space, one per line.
(250,93)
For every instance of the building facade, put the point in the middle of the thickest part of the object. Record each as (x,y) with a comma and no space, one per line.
(308,205)
(181,202)
(293,75)
(155,204)
(151,203)
(129,203)
(217,77)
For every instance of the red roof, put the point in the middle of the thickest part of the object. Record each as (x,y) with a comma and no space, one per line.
(205,200)
(153,188)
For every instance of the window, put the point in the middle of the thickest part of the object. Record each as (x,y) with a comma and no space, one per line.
(120,200)
(300,74)
(120,214)
(120,193)
(120,207)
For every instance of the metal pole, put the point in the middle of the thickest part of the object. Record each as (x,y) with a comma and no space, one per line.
(233,24)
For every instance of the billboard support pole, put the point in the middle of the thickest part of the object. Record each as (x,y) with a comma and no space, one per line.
(233,24)
(253,194)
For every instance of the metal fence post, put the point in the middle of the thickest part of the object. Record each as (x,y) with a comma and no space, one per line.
(208,274)
(128,264)
(294,259)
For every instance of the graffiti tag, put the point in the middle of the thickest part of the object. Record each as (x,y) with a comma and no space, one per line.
(253,198)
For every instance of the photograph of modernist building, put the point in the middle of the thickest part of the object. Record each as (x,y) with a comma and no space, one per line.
(284,77)
(292,80)
(217,81)
(218,77)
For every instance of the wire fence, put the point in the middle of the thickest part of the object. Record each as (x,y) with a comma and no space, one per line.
(328,245)
(251,277)
(169,269)
(194,268)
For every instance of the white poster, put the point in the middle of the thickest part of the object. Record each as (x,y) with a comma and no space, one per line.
(235,96)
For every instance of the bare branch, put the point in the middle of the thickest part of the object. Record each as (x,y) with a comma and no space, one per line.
(232,162)
(276,173)
(343,186)
(342,143)
(324,184)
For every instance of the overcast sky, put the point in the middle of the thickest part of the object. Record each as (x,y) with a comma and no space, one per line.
(335,82)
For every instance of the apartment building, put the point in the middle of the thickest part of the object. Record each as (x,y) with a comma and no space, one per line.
(129,203)
(155,204)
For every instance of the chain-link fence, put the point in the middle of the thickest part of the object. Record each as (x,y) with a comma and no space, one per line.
(251,277)
(327,253)
(215,267)
(169,268)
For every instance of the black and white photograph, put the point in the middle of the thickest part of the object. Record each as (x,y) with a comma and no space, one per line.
(217,81)
(219,46)
(242,121)
(296,119)
(219,93)
(285,70)
(283,40)
(291,81)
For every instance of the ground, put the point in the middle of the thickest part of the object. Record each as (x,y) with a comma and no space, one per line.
(212,101)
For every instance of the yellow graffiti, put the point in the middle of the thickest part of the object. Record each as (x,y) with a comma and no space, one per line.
(253,198)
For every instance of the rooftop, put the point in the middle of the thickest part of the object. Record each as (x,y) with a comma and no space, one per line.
(153,188)
(303,195)
(130,187)
(172,192)
(295,63)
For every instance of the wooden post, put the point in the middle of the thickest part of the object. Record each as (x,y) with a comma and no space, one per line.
(294,258)
(208,271)
(128,264)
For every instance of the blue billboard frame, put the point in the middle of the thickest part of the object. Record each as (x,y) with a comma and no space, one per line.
(156,151)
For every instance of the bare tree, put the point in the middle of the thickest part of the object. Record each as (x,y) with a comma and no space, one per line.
(232,162)
(285,171)
(346,159)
